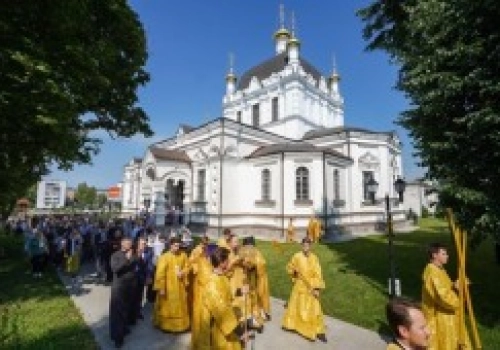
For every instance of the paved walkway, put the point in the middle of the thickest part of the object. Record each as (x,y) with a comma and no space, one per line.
(93,299)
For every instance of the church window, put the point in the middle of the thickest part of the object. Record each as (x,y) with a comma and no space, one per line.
(256,115)
(266,185)
(238,116)
(275,109)
(150,173)
(201,184)
(302,183)
(367,176)
(336,185)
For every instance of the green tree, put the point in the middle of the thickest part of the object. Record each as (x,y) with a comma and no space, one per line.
(449,58)
(85,195)
(68,68)
(102,199)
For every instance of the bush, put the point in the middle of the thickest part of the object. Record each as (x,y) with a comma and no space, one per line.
(425,212)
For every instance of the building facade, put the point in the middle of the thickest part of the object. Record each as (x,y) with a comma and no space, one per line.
(279,151)
(421,195)
(50,194)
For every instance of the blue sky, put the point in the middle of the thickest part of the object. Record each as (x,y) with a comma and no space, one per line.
(189,42)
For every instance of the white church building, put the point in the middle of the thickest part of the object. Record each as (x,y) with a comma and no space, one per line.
(280,150)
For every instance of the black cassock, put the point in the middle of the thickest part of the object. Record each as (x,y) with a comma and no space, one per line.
(122,291)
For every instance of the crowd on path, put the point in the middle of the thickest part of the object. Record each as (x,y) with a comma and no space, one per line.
(220,291)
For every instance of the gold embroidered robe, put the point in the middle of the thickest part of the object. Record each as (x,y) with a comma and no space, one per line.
(263,296)
(201,270)
(304,314)
(440,304)
(171,309)
(217,315)
(314,229)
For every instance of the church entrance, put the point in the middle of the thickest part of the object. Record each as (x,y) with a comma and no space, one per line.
(174,200)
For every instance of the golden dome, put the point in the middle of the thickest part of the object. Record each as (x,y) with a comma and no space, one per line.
(334,78)
(230,77)
(282,32)
(294,42)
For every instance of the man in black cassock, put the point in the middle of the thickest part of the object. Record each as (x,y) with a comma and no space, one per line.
(124,266)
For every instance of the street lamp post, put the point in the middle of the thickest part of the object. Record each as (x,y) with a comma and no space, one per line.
(399,186)
(147,204)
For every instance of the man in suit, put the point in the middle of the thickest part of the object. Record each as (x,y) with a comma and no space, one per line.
(145,270)
(408,325)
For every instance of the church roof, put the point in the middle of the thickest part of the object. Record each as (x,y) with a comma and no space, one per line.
(293,147)
(169,154)
(186,128)
(274,65)
(339,129)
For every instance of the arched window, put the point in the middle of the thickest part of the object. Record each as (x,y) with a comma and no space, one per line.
(150,173)
(202,178)
(266,185)
(275,109)
(302,183)
(256,115)
(367,176)
(336,185)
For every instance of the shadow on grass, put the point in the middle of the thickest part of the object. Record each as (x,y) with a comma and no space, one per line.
(369,257)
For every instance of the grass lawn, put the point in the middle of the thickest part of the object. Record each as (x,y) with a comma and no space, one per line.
(36,313)
(356,274)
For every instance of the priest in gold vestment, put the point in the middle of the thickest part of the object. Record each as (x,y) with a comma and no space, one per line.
(440,302)
(263,299)
(171,308)
(219,324)
(304,314)
(242,274)
(290,231)
(223,241)
(314,229)
(201,270)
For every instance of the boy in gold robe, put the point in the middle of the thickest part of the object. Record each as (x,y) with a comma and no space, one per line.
(219,324)
(303,314)
(440,301)
(171,312)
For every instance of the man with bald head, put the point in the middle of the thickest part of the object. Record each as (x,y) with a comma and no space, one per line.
(124,266)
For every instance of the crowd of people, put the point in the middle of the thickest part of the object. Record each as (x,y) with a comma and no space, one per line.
(220,291)
(217,291)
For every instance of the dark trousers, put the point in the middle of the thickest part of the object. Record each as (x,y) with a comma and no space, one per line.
(132,311)
(118,313)
(59,258)
(38,263)
(139,297)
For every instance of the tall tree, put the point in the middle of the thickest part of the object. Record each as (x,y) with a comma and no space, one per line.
(68,68)
(101,200)
(449,57)
(85,195)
